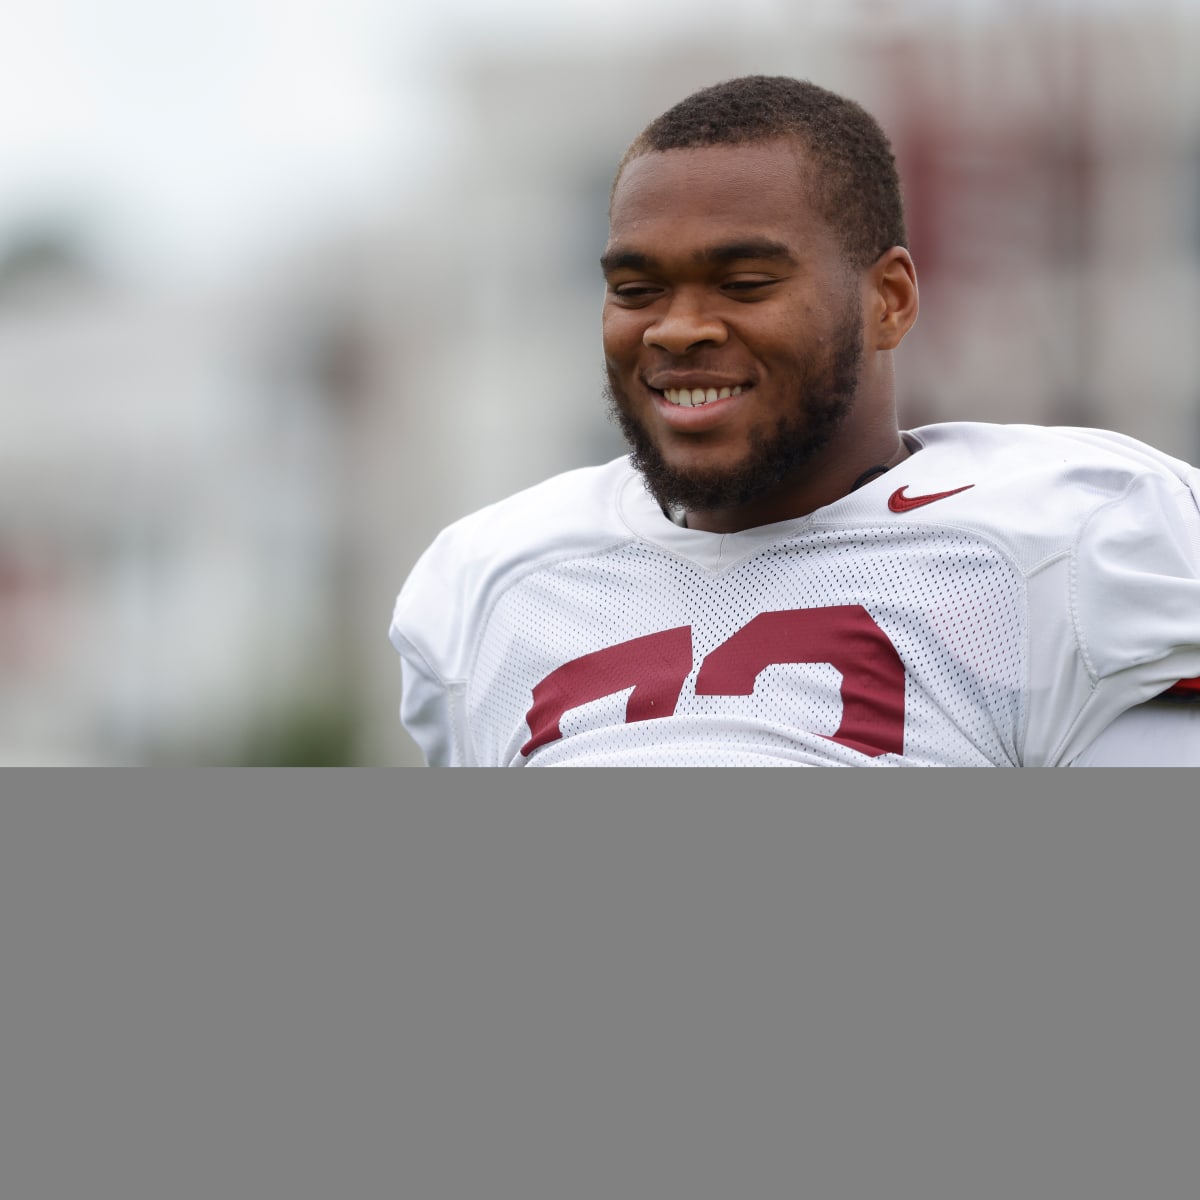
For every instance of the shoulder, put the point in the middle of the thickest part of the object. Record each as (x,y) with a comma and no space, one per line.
(1106,532)
(1064,451)
(476,557)
(565,513)
(1044,487)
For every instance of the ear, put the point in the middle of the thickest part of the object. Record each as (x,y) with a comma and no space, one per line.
(891,298)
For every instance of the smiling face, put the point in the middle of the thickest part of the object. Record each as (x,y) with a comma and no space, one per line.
(741,347)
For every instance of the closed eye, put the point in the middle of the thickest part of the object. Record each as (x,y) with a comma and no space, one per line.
(634,293)
(747,286)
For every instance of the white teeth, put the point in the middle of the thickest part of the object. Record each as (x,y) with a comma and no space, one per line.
(694,397)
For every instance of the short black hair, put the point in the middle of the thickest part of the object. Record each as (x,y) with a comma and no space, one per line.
(856,189)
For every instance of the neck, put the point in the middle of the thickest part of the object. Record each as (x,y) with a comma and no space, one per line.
(881,468)
(815,491)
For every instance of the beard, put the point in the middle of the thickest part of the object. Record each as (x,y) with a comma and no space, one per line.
(825,390)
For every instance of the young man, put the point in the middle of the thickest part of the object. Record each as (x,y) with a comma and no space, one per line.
(777,575)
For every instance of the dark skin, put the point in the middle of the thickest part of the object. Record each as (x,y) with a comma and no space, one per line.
(721,275)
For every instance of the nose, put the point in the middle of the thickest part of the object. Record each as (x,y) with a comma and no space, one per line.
(685,326)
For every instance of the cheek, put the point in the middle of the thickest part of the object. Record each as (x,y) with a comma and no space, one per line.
(804,333)
(779,327)
(622,336)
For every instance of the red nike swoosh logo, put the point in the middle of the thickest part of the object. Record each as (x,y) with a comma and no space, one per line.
(899,502)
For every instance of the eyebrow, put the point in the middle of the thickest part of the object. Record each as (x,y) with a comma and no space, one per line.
(749,248)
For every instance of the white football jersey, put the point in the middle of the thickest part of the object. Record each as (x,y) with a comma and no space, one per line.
(997,599)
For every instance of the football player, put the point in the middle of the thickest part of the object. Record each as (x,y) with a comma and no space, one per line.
(777,574)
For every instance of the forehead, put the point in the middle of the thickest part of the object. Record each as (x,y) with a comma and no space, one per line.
(678,198)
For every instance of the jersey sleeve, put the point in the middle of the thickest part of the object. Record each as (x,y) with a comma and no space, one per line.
(427,633)
(1135,599)
(430,710)
(1136,584)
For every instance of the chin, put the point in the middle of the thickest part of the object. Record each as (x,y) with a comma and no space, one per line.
(771,461)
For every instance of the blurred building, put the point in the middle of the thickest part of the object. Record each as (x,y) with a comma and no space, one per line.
(167,516)
(209,501)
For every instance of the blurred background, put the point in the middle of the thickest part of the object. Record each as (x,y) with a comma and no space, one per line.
(288,285)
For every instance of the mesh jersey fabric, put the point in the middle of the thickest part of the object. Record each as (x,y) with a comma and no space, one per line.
(1055,585)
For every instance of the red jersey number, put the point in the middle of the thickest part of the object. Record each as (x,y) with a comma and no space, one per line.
(657,665)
